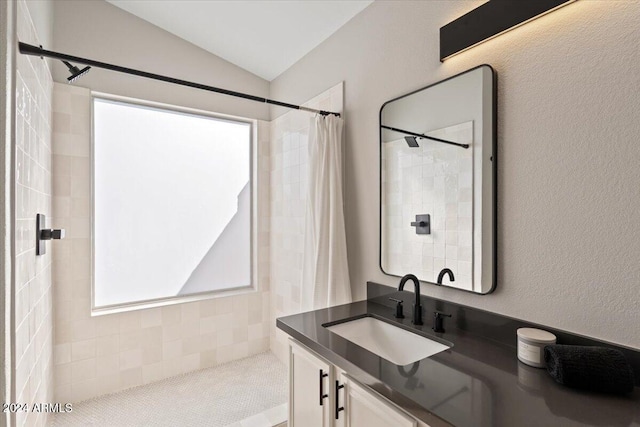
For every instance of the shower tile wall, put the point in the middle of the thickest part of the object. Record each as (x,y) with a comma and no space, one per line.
(33,318)
(433,179)
(108,353)
(289,171)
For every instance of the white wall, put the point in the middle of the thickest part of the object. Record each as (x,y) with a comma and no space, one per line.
(568,151)
(41,12)
(101,31)
(7,129)
(33,293)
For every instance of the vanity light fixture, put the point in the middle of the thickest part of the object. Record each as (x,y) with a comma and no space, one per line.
(489,20)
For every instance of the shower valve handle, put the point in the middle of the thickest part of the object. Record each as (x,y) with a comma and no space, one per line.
(422,224)
(43,234)
(49,233)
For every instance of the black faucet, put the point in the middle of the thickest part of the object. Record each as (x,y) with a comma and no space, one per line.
(417,308)
(442,273)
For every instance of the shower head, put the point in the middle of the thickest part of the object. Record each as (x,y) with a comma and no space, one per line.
(412,141)
(76,72)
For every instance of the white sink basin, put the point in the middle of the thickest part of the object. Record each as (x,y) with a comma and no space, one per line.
(395,344)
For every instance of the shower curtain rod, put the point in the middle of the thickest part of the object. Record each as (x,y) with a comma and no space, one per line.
(27,49)
(420,135)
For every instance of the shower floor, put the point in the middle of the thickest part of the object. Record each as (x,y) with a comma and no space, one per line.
(250,392)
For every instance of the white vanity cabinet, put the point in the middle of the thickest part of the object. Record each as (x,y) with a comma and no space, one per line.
(364,408)
(347,403)
(310,379)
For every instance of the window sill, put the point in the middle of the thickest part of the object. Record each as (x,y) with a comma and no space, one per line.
(163,302)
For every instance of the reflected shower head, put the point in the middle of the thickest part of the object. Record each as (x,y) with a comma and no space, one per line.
(76,72)
(412,141)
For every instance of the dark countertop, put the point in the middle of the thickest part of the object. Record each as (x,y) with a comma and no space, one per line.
(476,383)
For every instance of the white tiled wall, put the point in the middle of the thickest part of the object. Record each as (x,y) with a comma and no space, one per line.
(289,175)
(433,179)
(108,353)
(33,319)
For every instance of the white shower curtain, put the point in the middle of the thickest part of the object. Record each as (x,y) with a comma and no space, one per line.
(325,271)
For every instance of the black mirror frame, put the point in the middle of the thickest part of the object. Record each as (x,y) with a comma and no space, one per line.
(494,169)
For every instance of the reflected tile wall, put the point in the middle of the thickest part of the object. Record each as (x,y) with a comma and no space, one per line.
(289,177)
(33,319)
(434,179)
(109,353)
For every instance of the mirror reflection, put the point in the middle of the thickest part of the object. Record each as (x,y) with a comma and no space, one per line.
(437,182)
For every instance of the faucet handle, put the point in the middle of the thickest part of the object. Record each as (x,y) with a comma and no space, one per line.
(439,313)
(438,321)
(399,314)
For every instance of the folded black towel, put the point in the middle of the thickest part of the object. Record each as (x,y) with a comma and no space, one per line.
(589,368)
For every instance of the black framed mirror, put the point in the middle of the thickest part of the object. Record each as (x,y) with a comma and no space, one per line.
(438,181)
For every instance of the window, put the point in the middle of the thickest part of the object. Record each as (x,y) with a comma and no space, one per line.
(172,203)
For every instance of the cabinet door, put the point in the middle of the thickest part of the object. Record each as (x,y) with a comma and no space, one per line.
(363,408)
(309,388)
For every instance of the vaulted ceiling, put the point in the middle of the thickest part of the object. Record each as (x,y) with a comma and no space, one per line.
(264,37)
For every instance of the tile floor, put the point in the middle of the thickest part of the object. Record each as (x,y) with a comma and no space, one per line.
(270,418)
(250,392)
